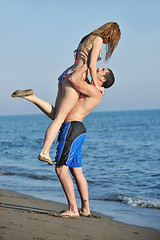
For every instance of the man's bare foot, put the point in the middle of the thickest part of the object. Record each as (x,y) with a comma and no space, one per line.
(68,214)
(43,158)
(85,213)
(22,93)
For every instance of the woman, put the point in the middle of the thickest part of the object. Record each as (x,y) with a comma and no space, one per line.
(108,34)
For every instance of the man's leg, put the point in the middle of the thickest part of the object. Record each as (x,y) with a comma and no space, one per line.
(68,187)
(82,186)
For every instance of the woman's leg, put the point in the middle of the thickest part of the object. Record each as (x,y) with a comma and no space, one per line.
(68,187)
(82,186)
(44,106)
(68,99)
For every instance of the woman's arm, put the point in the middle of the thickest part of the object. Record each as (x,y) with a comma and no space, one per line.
(97,44)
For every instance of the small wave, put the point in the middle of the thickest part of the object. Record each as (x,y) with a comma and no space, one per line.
(107,199)
(33,176)
(3,173)
(135,202)
(7,173)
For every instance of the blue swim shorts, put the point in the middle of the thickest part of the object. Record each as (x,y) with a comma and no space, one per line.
(70,141)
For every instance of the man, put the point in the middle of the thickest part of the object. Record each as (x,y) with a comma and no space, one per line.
(72,135)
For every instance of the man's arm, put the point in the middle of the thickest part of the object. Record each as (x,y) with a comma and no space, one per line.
(77,82)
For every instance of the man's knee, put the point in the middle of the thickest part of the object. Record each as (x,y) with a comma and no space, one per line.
(72,171)
(58,171)
(76,172)
(61,170)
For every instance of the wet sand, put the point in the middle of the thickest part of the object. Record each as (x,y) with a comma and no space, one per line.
(23,217)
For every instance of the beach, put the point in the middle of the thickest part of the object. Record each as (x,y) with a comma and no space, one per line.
(25,217)
(122,184)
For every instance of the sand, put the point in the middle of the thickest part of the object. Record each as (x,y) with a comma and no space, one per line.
(23,217)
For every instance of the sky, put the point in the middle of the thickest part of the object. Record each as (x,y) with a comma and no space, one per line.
(38,38)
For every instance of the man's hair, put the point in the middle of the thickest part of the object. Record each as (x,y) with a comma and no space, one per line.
(110,79)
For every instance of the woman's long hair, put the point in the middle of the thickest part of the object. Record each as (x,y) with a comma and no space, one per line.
(111,32)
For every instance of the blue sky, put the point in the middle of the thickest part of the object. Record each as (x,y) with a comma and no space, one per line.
(38,38)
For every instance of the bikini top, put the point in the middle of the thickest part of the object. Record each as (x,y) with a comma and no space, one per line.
(99,56)
(77,51)
(85,47)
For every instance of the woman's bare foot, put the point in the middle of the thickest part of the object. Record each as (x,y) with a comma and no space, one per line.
(22,93)
(47,159)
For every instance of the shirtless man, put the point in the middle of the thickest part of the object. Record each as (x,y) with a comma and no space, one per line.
(72,135)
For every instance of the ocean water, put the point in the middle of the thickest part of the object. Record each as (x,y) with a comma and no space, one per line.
(120,158)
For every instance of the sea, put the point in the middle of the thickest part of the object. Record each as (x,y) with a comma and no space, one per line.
(120,159)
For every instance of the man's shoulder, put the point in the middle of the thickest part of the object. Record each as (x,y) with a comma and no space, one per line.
(95,92)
